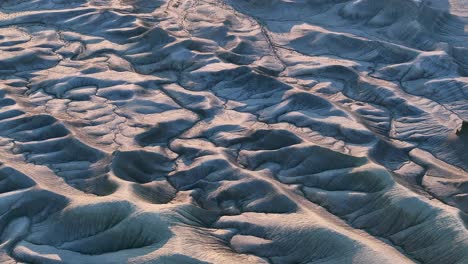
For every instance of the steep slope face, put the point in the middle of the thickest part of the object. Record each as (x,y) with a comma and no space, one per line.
(136,131)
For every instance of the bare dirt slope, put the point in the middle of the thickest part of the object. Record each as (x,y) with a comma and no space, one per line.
(236,131)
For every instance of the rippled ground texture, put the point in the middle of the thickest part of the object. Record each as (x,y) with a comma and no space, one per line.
(266,131)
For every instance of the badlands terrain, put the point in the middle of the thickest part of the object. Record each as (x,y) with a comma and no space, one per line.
(234,131)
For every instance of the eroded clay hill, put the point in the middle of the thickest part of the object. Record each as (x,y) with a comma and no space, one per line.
(235,131)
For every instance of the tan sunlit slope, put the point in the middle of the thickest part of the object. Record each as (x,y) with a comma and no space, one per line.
(235,131)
